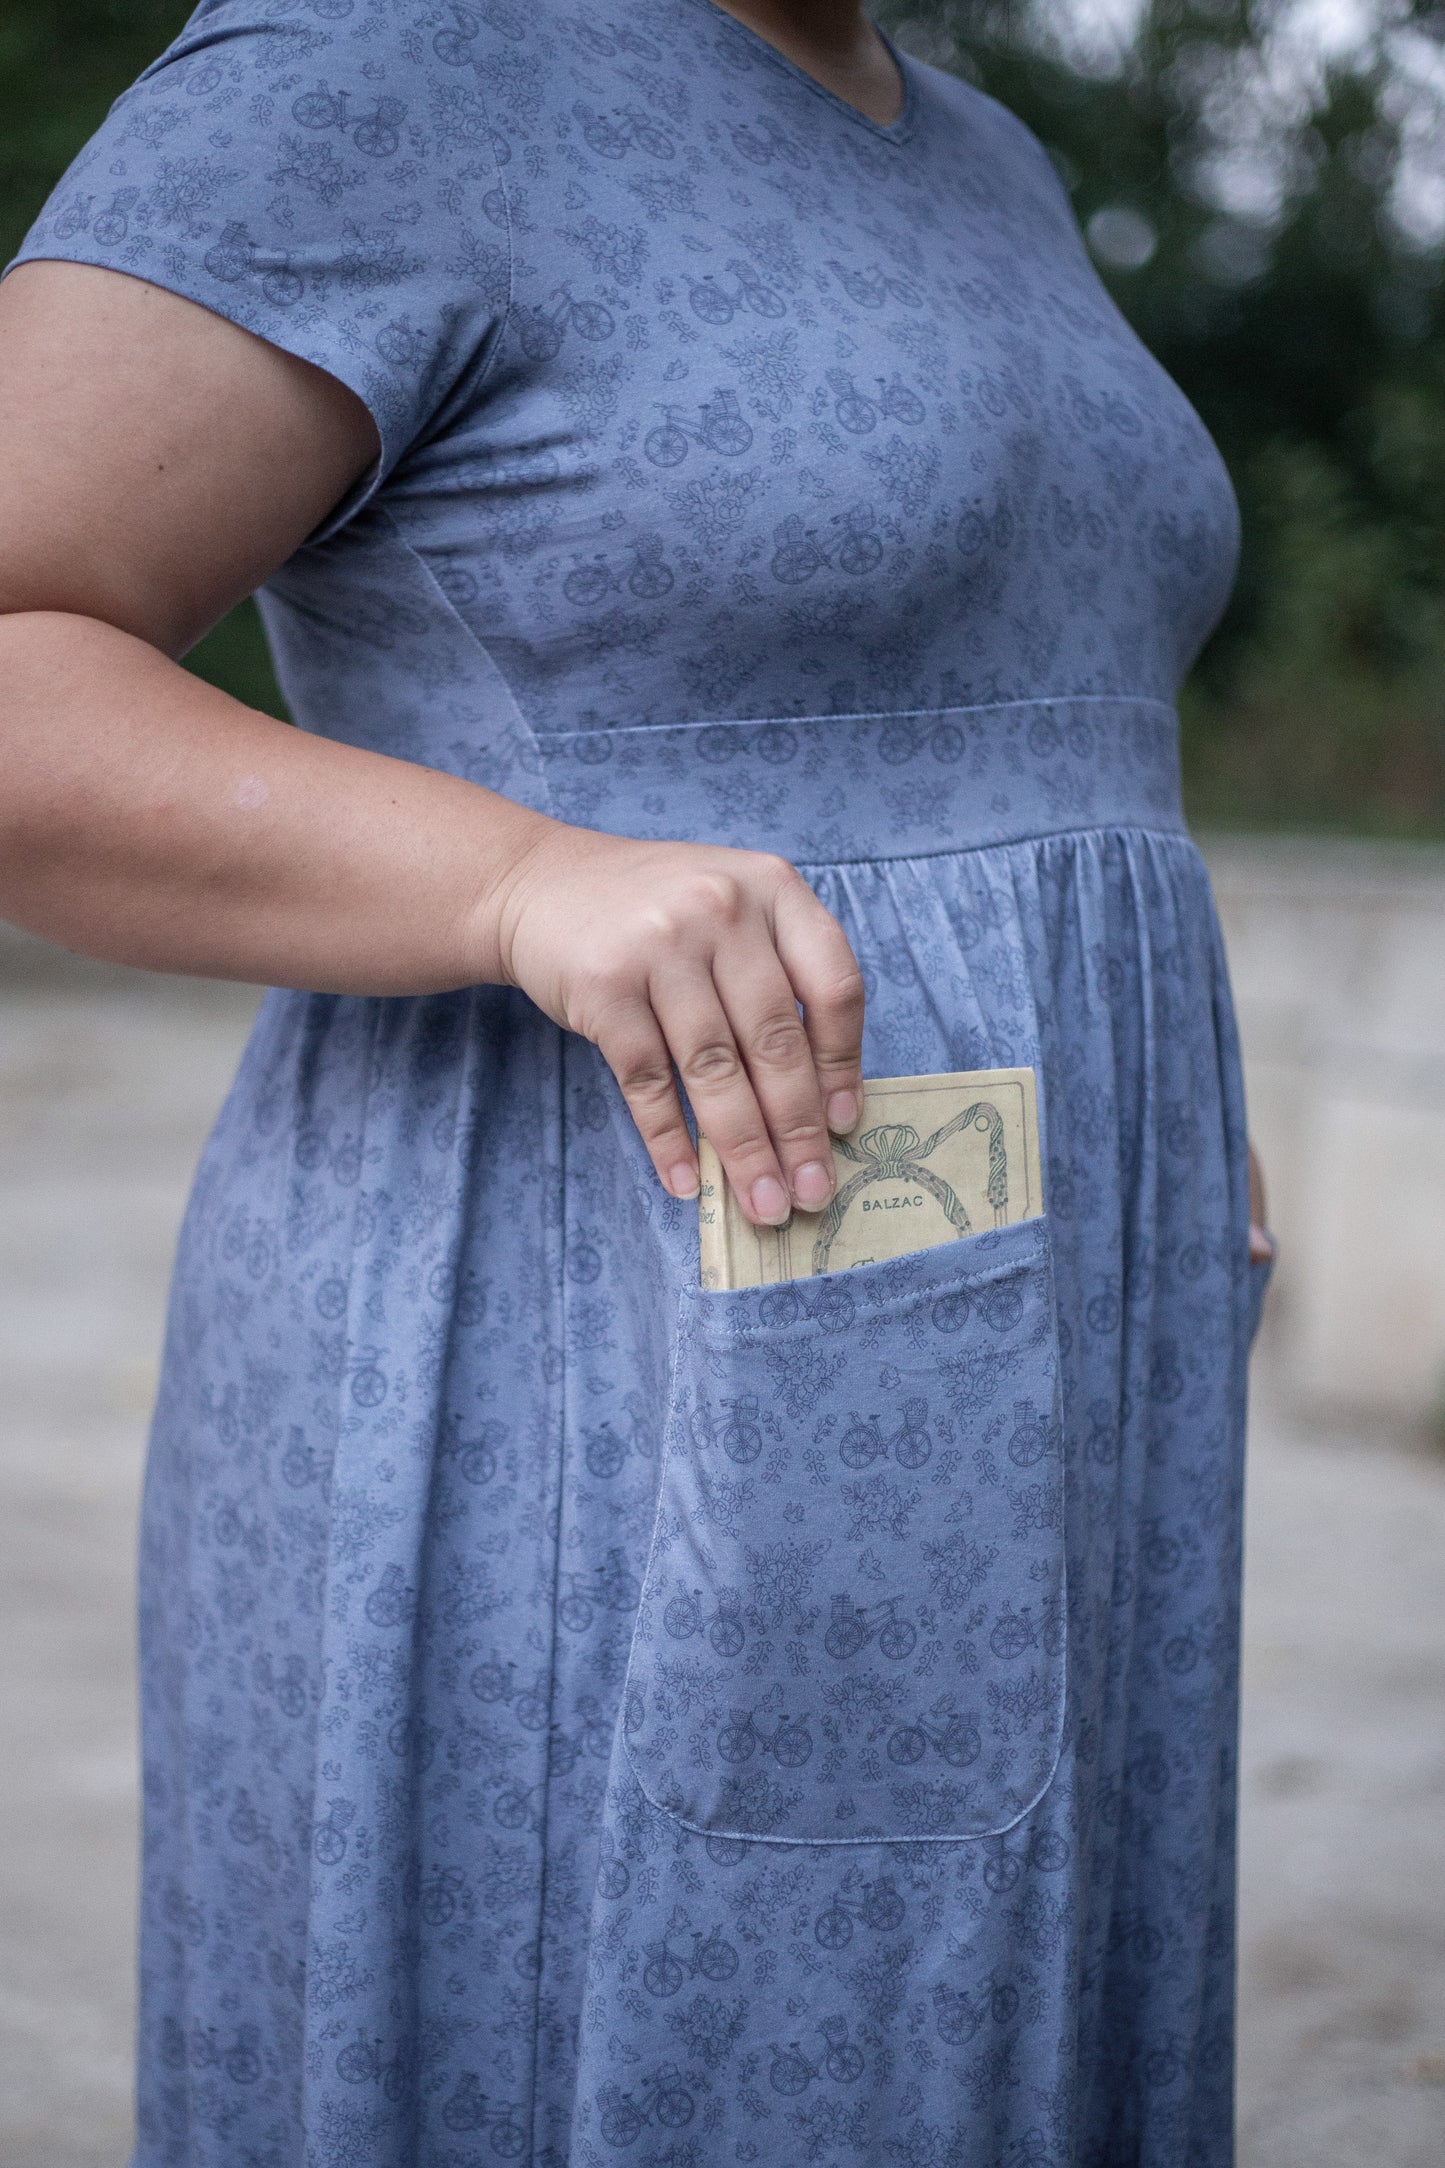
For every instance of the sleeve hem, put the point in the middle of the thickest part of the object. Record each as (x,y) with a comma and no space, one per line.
(394,443)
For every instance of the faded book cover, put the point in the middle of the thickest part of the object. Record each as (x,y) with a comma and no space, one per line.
(931,1159)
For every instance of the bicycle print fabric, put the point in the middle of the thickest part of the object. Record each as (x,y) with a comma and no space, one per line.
(758,474)
(879,1654)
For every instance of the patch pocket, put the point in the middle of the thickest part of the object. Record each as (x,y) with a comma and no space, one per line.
(851,1627)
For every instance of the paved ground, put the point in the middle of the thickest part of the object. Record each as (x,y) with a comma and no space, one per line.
(107,1083)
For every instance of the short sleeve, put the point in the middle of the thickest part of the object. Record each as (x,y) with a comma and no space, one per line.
(323,173)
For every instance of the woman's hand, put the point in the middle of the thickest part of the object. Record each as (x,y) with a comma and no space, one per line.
(1261,1249)
(697,957)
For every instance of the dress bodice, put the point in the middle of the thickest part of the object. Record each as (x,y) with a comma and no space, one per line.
(703,396)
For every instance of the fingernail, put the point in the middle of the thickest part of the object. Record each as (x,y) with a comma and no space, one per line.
(842,1110)
(813,1186)
(769,1201)
(682,1180)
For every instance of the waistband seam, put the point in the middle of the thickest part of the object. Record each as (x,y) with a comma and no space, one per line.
(998,843)
(545,738)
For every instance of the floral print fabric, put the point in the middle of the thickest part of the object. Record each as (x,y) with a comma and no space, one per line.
(809,1680)
(588,1720)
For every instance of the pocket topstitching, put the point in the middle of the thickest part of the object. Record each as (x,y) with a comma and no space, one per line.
(851,1627)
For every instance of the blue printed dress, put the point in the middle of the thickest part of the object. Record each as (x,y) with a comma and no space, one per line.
(589,1720)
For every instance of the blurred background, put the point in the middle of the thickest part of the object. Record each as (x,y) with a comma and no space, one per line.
(1263,189)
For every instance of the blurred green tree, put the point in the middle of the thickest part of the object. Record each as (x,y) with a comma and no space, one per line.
(1262,184)
(1263,189)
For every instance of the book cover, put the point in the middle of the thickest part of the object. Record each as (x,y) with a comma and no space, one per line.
(930,1160)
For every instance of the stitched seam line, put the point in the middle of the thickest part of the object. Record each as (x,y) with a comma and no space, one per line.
(554,1567)
(444,599)
(644,732)
(898,1306)
(1054,1755)
(1001,843)
(500,171)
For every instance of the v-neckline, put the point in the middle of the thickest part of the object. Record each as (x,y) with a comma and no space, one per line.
(891,131)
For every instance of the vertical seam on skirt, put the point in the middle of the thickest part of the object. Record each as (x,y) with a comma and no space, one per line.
(552,1520)
(373,1037)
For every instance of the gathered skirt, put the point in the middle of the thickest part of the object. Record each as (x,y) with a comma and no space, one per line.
(590,1721)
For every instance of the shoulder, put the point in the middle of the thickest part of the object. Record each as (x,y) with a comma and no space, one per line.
(433,81)
(269,124)
(325,173)
(412,78)
(977,129)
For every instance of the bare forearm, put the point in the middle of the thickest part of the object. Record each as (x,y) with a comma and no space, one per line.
(150,819)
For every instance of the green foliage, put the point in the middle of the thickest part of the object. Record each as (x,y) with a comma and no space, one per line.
(1275,275)
(1242,196)
(1333,709)
(234,655)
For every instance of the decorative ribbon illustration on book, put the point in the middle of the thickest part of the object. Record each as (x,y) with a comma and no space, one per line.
(894,1152)
(930,1160)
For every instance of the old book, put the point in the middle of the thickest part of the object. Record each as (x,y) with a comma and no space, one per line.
(932,1158)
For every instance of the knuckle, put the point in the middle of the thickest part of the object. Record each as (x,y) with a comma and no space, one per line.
(781,872)
(659,1131)
(843,1013)
(660,925)
(644,1081)
(715,1062)
(700,900)
(718,898)
(655,1125)
(841,993)
(636,1057)
(778,1042)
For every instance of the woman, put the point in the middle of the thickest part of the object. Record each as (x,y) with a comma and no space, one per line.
(728,557)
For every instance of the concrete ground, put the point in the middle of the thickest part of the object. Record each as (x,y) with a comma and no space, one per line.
(107,1083)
